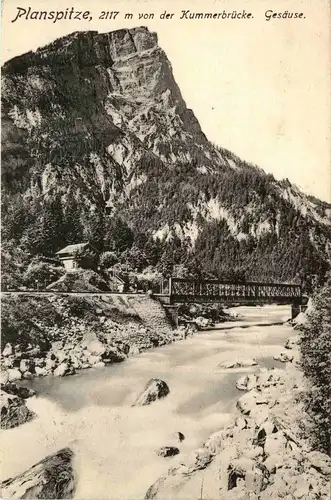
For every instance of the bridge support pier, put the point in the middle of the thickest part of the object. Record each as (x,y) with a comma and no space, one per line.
(295,310)
(172,313)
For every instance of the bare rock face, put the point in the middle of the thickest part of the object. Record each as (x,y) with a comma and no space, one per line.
(52,477)
(13,411)
(155,389)
(243,470)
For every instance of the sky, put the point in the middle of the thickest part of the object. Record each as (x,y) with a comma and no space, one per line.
(258,88)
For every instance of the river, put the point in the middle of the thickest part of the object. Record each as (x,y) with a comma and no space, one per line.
(115,443)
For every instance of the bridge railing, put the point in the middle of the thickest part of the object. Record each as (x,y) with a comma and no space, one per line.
(224,289)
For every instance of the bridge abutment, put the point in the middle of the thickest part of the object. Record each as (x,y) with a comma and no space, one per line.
(172,313)
(295,310)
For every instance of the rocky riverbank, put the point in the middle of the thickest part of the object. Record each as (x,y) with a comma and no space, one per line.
(264,454)
(59,335)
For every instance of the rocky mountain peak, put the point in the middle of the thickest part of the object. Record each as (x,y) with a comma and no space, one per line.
(91,47)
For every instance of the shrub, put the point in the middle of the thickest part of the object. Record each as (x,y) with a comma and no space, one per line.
(81,280)
(14,262)
(108,259)
(42,274)
(23,319)
(316,364)
(81,308)
(86,258)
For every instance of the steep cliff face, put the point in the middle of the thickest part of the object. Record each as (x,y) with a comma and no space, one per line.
(100,101)
(94,121)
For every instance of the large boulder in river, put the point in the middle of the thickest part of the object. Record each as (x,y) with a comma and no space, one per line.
(113,355)
(238,363)
(167,451)
(284,357)
(178,436)
(16,390)
(52,477)
(14,411)
(155,389)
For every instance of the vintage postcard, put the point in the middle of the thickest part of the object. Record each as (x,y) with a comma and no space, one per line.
(165,250)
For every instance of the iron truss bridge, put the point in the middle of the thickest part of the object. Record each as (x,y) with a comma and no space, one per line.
(182,290)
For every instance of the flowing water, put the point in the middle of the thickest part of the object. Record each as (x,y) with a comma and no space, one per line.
(115,443)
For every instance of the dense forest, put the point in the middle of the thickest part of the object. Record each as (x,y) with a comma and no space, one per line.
(35,228)
(315,357)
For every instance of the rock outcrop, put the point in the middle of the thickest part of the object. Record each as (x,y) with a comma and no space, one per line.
(13,411)
(51,478)
(155,389)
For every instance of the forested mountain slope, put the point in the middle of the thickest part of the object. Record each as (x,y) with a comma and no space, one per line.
(98,145)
